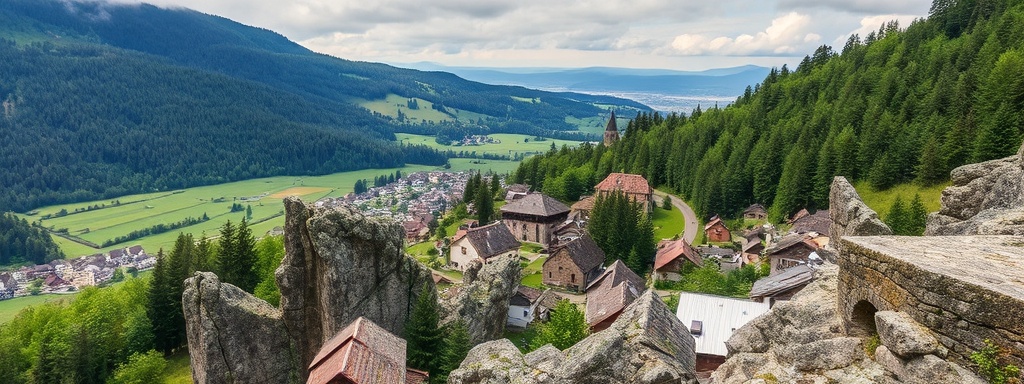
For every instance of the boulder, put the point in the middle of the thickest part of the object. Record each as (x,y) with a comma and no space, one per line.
(904,336)
(890,361)
(340,265)
(482,301)
(985,199)
(646,344)
(850,216)
(826,354)
(234,337)
(929,369)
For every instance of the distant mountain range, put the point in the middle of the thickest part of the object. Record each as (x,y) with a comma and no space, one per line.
(723,84)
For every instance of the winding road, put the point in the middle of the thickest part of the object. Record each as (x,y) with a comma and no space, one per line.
(690,218)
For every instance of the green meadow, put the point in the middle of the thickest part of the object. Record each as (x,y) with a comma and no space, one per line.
(509,144)
(392,104)
(881,201)
(264,196)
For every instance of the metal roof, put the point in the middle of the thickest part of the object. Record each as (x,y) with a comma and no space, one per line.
(720,317)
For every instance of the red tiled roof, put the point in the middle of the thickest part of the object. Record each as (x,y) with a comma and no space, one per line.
(362,353)
(625,182)
(673,249)
(415,376)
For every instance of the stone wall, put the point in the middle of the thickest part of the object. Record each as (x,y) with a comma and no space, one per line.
(531,231)
(965,289)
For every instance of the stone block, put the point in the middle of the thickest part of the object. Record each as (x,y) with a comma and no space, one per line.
(904,336)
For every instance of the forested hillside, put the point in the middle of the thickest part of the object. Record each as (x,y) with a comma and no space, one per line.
(21,242)
(101,100)
(898,105)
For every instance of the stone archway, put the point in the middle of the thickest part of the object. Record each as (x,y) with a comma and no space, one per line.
(862,320)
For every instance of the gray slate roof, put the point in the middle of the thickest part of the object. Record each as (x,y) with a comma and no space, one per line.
(818,222)
(536,204)
(790,278)
(492,240)
(584,252)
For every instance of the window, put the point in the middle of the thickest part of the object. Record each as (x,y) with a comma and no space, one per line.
(526,313)
(573,278)
(549,274)
(463,250)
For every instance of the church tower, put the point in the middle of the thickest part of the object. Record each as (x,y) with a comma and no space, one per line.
(611,131)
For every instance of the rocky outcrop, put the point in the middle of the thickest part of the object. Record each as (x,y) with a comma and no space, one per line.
(985,199)
(482,301)
(340,265)
(646,344)
(850,216)
(234,337)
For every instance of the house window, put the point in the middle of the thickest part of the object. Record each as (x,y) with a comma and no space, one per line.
(573,278)
(463,250)
(549,274)
(526,314)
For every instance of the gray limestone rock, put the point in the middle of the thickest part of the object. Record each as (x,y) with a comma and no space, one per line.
(826,354)
(904,336)
(850,216)
(340,265)
(985,199)
(482,301)
(890,361)
(646,344)
(234,337)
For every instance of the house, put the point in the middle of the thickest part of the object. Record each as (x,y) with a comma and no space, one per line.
(573,265)
(534,217)
(53,281)
(671,256)
(712,320)
(715,231)
(634,186)
(580,210)
(117,253)
(818,223)
(441,279)
(610,293)
(136,250)
(568,231)
(362,353)
(529,304)
(611,131)
(751,251)
(515,192)
(791,250)
(415,230)
(782,286)
(755,212)
(482,243)
(81,278)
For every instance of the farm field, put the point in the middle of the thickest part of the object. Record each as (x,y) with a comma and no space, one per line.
(264,196)
(510,144)
(393,103)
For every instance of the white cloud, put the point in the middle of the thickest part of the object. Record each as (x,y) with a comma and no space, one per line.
(873,24)
(785,35)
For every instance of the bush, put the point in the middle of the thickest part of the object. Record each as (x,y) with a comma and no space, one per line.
(141,368)
(990,367)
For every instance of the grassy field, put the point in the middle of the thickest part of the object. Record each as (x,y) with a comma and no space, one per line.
(10,308)
(510,144)
(178,370)
(881,201)
(265,195)
(667,224)
(426,112)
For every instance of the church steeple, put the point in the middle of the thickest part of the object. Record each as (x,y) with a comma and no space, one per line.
(611,131)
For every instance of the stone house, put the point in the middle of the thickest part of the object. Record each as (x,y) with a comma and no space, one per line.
(534,217)
(635,187)
(712,320)
(752,248)
(573,265)
(755,212)
(363,353)
(715,231)
(791,250)
(482,243)
(612,292)
(671,256)
(818,222)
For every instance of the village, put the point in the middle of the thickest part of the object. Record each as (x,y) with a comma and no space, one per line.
(71,275)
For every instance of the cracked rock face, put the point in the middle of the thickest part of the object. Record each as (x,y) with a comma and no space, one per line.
(646,344)
(985,199)
(340,265)
(850,216)
(234,337)
(482,301)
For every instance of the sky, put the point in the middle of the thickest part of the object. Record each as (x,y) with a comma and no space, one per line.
(666,34)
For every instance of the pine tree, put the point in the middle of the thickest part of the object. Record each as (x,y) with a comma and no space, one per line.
(246,259)
(484,204)
(423,335)
(179,268)
(456,347)
(917,217)
(495,184)
(566,327)
(159,306)
(203,255)
(897,219)
(469,193)
(248,211)
(226,253)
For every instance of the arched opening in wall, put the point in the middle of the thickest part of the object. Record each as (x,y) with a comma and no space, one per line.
(862,320)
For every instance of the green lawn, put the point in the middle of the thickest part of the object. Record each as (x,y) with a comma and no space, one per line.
(535,280)
(530,248)
(881,201)
(421,249)
(510,144)
(10,308)
(394,103)
(667,224)
(535,266)
(145,210)
(178,370)
(521,338)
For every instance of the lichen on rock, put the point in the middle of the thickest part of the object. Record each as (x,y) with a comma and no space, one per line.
(483,299)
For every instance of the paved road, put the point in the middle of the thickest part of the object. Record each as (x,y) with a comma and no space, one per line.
(690,218)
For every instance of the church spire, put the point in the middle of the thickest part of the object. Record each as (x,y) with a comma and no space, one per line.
(611,131)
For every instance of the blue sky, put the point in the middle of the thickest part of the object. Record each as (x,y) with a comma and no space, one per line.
(670,34)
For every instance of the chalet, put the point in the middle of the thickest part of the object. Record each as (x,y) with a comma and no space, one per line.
(534,217)
(634,186)
(715,231)
(610,293)
(573,265)
(54,281)
(671,256)
(580,210)
(712,320)
(415,230)
(755,212)
(611,131)
(782,286)
(818,223)
(482,243)
(529,304)
(751,251)
(515,192)
(362,353)
(791,250)
(568,231)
